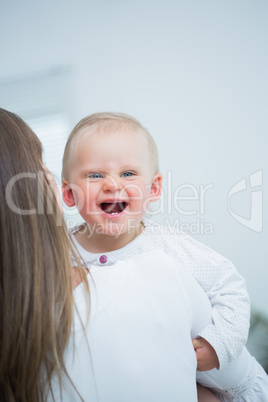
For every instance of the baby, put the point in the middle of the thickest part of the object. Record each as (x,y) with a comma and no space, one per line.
(111,173)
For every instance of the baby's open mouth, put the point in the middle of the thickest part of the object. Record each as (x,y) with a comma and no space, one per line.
(113,207)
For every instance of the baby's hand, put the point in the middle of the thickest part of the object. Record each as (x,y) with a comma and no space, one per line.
(206,356)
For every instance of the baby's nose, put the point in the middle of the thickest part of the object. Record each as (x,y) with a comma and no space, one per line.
(112,183)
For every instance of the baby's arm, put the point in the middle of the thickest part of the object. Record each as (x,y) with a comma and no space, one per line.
(227,292)
(230,311)
(206,356)
(240,371)
(200,317)
(201,309)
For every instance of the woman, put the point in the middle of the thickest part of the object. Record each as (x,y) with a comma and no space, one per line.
(36,280)
(37,277)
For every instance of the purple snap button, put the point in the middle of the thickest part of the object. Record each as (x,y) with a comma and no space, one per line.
(103,259)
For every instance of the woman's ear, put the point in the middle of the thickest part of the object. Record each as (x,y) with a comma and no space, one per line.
(156,187)
(67,194)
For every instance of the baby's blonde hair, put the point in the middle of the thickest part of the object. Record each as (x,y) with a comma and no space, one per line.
(106,121)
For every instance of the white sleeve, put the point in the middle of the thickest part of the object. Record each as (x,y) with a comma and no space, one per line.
(226,290)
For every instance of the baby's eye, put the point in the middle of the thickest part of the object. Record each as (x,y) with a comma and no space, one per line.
(127,174)
(94,175)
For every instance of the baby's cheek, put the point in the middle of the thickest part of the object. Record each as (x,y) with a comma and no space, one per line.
(137,191)
(140,204)
(81,198)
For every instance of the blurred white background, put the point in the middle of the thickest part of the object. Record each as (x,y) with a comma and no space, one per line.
(193,72)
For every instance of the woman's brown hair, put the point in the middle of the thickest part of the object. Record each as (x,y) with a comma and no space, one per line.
(36,301)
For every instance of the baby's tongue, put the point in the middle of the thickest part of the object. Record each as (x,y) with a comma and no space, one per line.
(112,208)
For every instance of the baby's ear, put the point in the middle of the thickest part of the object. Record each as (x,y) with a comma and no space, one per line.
(156,187)
(67,194)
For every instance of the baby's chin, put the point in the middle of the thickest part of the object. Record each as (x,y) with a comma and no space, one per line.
(119,230)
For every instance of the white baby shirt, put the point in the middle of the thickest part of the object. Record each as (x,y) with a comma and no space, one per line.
(224,286)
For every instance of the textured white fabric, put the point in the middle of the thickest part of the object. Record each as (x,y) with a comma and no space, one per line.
(242,380)
(137,346)
(217,276)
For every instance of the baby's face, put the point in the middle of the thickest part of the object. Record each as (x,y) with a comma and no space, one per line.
(111,179)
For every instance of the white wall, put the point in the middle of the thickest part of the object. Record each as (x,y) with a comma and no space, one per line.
(193,72)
